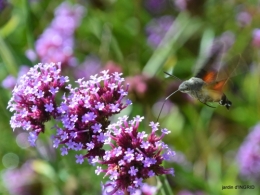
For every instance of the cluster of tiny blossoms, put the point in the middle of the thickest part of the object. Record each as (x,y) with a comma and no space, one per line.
(83,124)
(33,99)
(57,41)
(85,114)
(134,156)
(248,156)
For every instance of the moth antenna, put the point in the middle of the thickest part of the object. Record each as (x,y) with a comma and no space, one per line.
(164,103)
(171,75)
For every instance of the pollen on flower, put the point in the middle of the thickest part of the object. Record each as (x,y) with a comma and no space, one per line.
(134,156)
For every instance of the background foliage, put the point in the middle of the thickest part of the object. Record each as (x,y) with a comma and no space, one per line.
(115,32)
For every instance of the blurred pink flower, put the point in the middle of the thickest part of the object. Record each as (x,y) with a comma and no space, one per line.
(112,67)
(157,28)
(22,181)
(243,18)
(56,44)
(90,66)
(181,5)
(256,38)
(248,156)
(10,81)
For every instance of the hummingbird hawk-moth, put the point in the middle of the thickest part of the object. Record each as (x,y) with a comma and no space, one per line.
(208,84)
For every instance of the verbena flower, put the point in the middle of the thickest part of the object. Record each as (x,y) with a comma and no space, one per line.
(134,156)
(85,113)
(33,99)
(57,42)
(144,190)
(248,156)
(157,28)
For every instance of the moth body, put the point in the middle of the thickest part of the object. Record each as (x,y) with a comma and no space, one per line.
(199,89)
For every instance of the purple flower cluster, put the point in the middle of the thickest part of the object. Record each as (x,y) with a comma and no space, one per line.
(83,124)
(33,99)
(157,28)
(144,190)
(134,156)
(85,113)
(248,156)
(57,42)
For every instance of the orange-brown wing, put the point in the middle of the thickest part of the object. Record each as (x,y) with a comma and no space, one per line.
(207,76)
(218,85)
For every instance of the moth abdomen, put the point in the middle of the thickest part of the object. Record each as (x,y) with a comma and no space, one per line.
(225,102)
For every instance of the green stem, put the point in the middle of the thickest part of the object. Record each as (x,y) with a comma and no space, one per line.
(165,187)
(29,28)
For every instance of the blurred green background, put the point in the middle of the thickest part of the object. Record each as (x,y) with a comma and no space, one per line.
(142,39)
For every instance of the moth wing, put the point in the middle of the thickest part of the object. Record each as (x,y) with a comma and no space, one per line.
(209,72)
(232,68)
(217,85)
(213,93)
(207,76)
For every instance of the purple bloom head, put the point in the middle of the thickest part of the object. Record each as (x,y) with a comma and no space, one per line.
(56,43)
(9,82)
(248,156)
(256,38)
(134,156)
(144,190)
(243,18)
(33,99)
(90,66)
(85,113)
(157,28)
(53,46)
(22,181)
(31,55)
(67,18)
